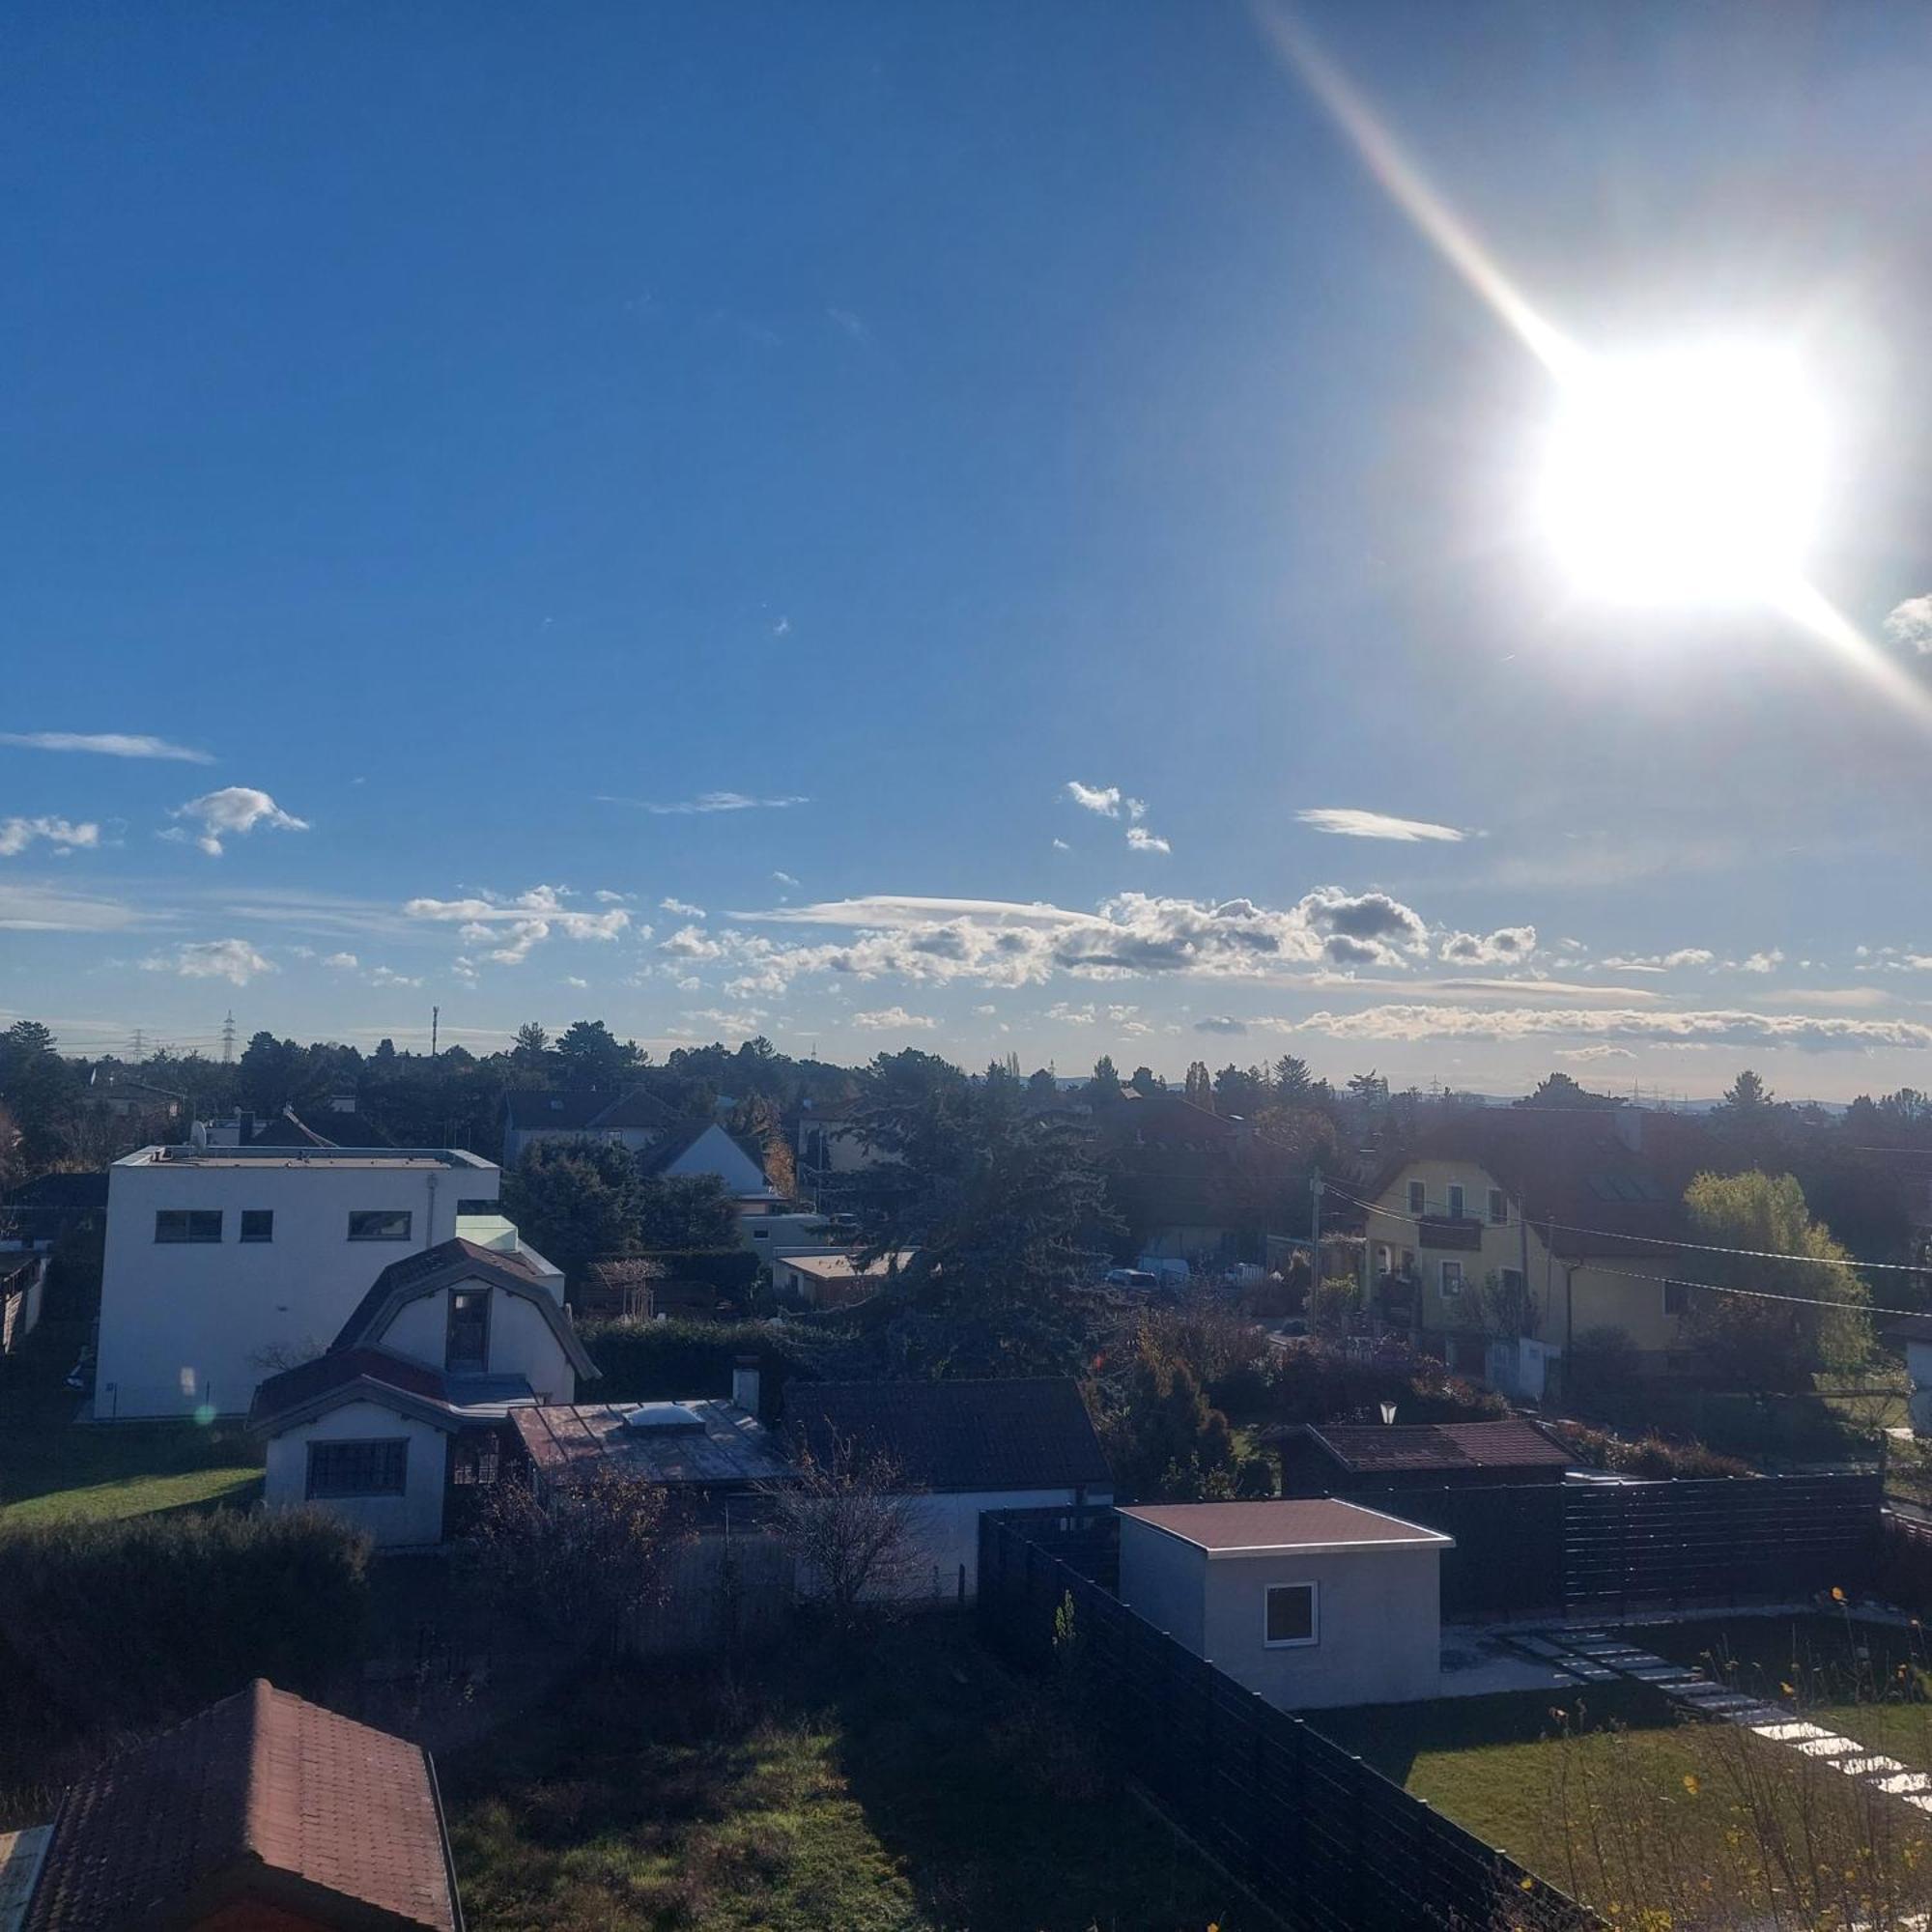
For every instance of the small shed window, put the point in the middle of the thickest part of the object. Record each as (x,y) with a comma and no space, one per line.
(188,1224)
(1417,1199)
(1290,1615)
(358,1469)
(379,1224)
(258,1224)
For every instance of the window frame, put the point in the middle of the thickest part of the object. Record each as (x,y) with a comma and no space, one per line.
(476,1207)
(257,1213)
(451,1365)
(187,1237)
(326,1445)
(1419,1198)
(1681,1291)
(1314,1636)
(407,1216)
(1443,1273)
(1457,1198)
(1500,1208)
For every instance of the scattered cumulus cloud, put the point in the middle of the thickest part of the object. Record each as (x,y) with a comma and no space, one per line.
(1507,946)
(1141,839)
(233,811)
(510,929)
(682,907)
(231,960)
(1761,962)
(1347,822)
(107,745)
(580,986)
(1658,962)
(783,879)
(1102,799)
(1220,1023)
(893,1019)
(343,962)
(63,834)
(1910,623)
(388,976)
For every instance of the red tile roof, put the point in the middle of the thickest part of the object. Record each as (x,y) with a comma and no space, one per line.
(1299,1523)
(262,1795)
(1511,1444)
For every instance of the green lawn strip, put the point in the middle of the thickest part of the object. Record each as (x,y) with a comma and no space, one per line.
(905,1784)
(64,1468)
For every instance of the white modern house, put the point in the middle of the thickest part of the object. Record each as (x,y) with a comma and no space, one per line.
(406,1408)
(1311,1602)
(225,1264)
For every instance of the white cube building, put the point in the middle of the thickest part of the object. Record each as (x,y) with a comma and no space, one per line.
(1311,1602)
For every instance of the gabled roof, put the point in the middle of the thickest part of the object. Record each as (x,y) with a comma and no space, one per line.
(345,1130)
(263,1796)
(1029,1433)
(675,1146)
(585,1110)
(449,1262)
(348,1375)
(1510,1444)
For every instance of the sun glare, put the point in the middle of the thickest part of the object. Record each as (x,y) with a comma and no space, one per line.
(1685,477)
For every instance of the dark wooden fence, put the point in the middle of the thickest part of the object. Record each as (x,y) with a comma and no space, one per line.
(1322,1841)
(1606,1549)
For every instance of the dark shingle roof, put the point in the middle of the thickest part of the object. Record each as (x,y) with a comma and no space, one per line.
(1022,1435)
(262,1795)
(62,1194)
(1512,1445)
(537,1111)
(308,1381)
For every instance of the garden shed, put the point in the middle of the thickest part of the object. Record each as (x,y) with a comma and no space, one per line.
(1311,1601)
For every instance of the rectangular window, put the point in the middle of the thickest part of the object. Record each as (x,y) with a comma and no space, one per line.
(472,1460)
(258,1224)
(1512,1285)
(1455,1201)
(1499,1208)
(188,1224)
(1418,1200)
(358,1468)
(478,1207)
(1452,1280)
(466,1346)
(1290,1615)
(379,1224)
(1676,1298)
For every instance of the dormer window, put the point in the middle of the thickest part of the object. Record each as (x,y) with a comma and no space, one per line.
(467,1346)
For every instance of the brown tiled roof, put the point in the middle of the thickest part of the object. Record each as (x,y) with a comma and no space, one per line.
(263,1796)
(1306,1524)
(1025,1433)
(1442,1446)
(295,1389)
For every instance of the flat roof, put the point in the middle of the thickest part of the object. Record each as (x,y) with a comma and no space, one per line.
(841,1266)
(1308,1525)
(727,1446)
(421,1159)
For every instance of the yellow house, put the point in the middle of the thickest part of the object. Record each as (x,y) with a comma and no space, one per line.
(1523,1223)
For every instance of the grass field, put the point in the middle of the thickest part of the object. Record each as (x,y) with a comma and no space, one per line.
(51,1466)
(904,1786)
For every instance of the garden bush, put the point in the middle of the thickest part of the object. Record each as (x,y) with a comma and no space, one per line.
(147,1619)
(1652,1455)
(663,1361)
(1315,1383)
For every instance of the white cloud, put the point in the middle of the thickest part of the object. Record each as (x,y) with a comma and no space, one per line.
(683,908)
(1761,962)
(1103,799)
(1346,822)
(571,979)
(1507,946)
(1910,623)
(1658,962)
(604,896)
(343,962)
(234,811)
(1588,1054)
(384,976)
(691,942)
(107,745)
(707,802)
(231,960)
(893,1019)
(46,909)
(783,628)
(1141,839)
(63,834)
(1220,1023)
(783,879)
(1410,1024)
(1061,845)
(516,925)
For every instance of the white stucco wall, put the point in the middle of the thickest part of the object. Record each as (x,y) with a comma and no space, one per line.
(521,1342)
(182,1324)
(1378,1610)
(948,1532)
(413,1517)
(715,1152)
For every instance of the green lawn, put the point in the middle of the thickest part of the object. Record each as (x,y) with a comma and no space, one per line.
(903,1786)
(51,1465)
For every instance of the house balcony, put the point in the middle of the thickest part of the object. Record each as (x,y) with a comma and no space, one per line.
(1443,1231)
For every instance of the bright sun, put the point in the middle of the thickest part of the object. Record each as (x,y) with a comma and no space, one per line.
(1686,476)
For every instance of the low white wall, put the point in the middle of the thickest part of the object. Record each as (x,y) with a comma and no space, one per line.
(1164,1580)
(949,1533)
(415,1517)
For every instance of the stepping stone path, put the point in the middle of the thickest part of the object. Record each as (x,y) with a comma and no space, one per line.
(1598,1656)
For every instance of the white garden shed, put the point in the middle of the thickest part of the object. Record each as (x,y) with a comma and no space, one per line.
(1312,1603)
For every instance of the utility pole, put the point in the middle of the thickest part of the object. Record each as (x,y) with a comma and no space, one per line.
(140,1048)
(1314,1239)
(228,1038)
(435,1021)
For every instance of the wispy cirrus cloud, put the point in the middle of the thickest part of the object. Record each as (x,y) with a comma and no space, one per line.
(1347,822)
(233,811)
(1628,1027)
(63,834)
(35,908)
(107,745)
(231,960)
(706,801)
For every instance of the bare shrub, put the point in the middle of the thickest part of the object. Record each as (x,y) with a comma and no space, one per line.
(855,1524)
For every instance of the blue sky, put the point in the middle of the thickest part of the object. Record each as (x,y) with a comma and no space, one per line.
(472,430)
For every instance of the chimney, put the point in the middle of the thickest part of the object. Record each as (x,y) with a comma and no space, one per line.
(1629,1121)
(745,1383)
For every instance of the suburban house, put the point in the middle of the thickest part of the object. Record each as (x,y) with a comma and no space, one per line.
(836,1166)
(1327,1458)
(965,1447)
(401,1421)
(833,1277)
(633,1119)
(1310,1603)
(338,1124)
(223,1264)
(265,1813)
(1505,1233)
